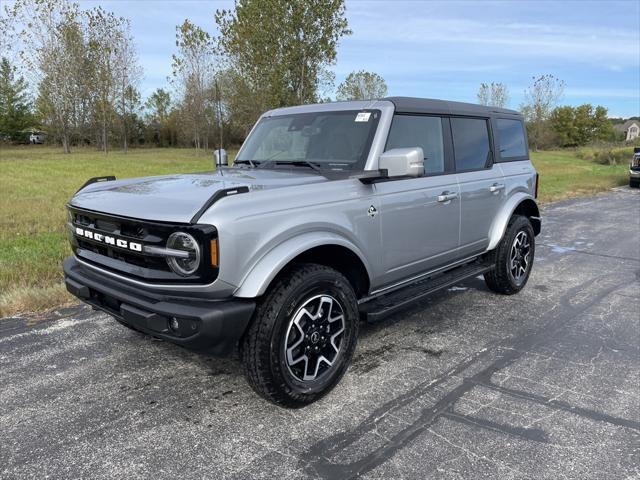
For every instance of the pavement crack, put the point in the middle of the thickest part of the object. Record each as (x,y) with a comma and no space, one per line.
(475,455)
(506,352)
(526,433)
(585,252)
(562,405)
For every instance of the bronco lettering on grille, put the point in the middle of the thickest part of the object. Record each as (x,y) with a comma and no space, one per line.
(108,240)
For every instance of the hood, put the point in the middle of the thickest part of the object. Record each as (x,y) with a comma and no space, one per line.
(177,198)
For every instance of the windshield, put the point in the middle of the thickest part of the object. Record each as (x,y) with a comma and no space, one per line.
(335,140)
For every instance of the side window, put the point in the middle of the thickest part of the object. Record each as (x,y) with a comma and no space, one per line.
(511,137)
(470,143)
(419,131)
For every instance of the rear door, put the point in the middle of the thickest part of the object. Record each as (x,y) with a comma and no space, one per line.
(482,186)
(419,229)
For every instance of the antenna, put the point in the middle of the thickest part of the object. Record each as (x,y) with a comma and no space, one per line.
(220,154)
(219,101)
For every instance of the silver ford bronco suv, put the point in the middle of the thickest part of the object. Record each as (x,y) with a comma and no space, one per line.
(330,214)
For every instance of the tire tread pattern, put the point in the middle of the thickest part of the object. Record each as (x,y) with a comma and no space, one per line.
(259,364)
(497,279)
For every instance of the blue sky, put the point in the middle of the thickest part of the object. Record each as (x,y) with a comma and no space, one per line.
(445,50)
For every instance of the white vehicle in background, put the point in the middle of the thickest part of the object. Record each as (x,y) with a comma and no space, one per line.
(37,138)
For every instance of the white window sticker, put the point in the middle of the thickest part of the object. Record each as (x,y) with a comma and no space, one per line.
(363,117)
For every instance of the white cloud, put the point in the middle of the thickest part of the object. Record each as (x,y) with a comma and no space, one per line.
(588,44)
(446,48)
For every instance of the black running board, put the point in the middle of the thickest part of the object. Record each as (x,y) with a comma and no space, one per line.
(384,305)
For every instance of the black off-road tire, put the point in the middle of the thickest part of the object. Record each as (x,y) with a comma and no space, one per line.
(500,279)
(634,183)
(264,350)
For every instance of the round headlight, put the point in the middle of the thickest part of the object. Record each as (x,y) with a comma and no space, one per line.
(185,242)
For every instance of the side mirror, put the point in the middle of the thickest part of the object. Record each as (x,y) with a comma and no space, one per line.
(403,162)
(220,157)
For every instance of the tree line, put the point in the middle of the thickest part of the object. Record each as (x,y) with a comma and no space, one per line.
(85,71)
(548,124)
(83,68)
(84,65)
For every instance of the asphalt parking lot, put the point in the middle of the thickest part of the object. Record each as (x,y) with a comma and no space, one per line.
(469,384)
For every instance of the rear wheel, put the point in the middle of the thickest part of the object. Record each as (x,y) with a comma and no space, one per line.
(513,258)
(302,337)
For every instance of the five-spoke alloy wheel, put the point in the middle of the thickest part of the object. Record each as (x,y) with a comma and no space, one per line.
(314,337)
(519,263)
(302,336)
(512,258)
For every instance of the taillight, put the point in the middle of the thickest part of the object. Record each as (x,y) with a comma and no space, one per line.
(536,191)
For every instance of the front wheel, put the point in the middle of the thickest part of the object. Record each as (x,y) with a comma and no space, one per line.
(302,336)
(513,258)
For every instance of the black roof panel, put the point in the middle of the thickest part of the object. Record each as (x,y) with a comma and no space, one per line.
(445,107)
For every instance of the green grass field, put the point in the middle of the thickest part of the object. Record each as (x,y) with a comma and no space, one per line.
(563,175)
(37,181)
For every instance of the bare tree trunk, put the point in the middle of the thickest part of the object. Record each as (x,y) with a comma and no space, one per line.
(104,134)
(124,128)
(65,142)
(103,125)
(124,125)
(124,116)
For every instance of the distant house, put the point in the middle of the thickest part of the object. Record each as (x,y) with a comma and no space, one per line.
(630,128)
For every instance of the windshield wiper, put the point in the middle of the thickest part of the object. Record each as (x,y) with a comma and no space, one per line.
(302,163)
(248,162)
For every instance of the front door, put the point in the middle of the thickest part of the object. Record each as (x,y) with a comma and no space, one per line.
(419,217)
(419,229)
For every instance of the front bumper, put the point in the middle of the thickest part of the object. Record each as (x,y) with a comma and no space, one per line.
(209,326)
(634,173)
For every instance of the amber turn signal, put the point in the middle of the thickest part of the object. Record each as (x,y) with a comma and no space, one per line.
(214,252)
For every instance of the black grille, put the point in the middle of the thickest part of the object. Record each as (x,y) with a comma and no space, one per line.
(136,263)
(146,261)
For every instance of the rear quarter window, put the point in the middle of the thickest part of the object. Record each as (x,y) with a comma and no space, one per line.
(511,138)
(470,143)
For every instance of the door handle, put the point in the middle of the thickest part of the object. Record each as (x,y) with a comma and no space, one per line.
(496,187)
(447,196)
